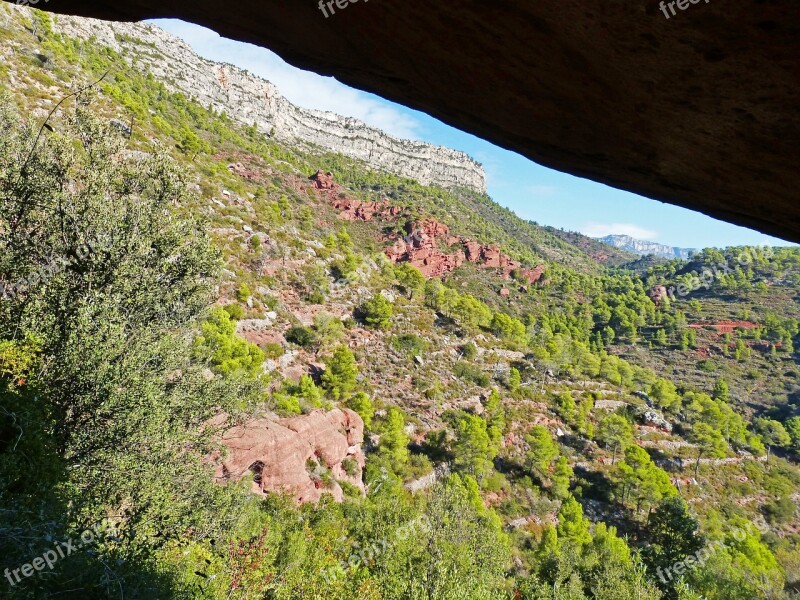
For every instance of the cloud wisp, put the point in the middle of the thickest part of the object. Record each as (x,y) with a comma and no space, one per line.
(597,230)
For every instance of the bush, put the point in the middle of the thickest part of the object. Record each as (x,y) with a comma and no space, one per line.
(235,311)
(780,511)
(272,351)
(301,336)
(243,294)
(288,404)
(471,373)
(340,374)
(469,350)
(350,466)
(409,344)
(227,352)
(361,404)
(377,312)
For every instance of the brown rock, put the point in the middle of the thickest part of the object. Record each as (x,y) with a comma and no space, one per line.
(657,294)
(323,181)
(277,453)
(697,108)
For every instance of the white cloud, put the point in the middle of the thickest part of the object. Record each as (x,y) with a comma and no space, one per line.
(303,88)
(597,230)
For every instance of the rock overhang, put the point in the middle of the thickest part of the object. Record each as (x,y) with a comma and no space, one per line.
(698,109)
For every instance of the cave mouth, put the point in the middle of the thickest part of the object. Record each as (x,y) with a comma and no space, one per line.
(257,469)
(698,110)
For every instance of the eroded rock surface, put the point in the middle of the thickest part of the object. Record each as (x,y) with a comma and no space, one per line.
(699,109)
(427,244)
(291,455)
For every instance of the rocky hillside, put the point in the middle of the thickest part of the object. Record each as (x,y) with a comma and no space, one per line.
(250,100)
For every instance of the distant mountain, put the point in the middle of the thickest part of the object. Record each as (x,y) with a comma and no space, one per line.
(643,248)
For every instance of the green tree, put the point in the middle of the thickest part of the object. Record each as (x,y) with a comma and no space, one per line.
(673,534)
(308,390)
(773,433)
(793,429)
(495,417)
(466,552)
(572,525)
(328,329)
(409,278)
(473,450)
(471,312)
(616,432)
(514,379)
(341,371)
(227,352)
(665,395)
(562,474)
(721,391)
(394,441)
(508,328)
(643,481)
(361,404)
(377,312)
(543,451)
(709,442)
(120,409)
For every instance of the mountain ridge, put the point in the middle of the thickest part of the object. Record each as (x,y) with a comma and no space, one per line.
(644,248)
(252,100)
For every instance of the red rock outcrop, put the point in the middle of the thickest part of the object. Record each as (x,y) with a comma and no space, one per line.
(724,327)
(657,294)
(278,453)
(420,246)
(324,181)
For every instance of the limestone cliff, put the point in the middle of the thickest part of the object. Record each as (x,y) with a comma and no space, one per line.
(248,99)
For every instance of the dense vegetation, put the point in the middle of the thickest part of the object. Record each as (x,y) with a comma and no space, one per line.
(587,441)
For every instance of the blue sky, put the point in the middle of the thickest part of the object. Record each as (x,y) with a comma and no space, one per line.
(532,191)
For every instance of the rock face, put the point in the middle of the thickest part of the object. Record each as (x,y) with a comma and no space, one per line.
(421,248)
(423,242)
(658,293)
(249,99)
(698,109)
(643,248)
(290,455)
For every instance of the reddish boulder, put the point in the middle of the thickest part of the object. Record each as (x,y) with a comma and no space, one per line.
(278,453)
(473,250)
(657,294)
(323,181)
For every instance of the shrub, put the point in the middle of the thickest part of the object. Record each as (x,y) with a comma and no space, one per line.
(361,404)
(340,374)
(243,294)
(471,373)
(272,350)
(235,311)
(227,352)
(469,350)
(287,404)
(377,312)
(409,344)
(350,466)
(301,336)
